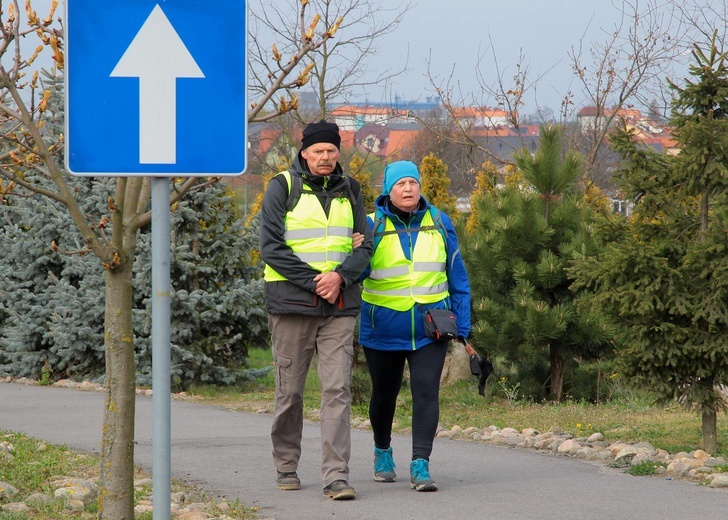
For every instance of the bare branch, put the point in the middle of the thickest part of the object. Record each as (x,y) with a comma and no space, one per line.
(627,67)
(335,66)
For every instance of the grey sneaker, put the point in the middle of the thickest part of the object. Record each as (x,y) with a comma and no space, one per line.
(288,481)
(339,490)
(420,478)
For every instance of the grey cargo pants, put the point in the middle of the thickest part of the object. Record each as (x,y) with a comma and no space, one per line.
(295,339)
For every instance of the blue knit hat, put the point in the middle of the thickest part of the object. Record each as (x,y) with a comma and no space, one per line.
(396,171)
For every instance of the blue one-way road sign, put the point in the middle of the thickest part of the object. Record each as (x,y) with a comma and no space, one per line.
(156,87)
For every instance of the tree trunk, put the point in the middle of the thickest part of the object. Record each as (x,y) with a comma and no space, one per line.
(710,418)
(710,429)
(116,494)
(557,374)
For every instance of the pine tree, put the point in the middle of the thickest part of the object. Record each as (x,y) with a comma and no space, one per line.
(54,294)
(52,287)
(525,312)
(52,301)
(665,273)
(217,308)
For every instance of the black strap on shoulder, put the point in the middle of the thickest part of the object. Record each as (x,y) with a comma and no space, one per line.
(380,225)
(297,188)
(295,191)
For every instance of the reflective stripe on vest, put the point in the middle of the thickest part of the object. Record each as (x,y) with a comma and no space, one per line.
(323,243)
(397,283)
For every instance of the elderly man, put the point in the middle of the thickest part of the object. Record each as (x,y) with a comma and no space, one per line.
(309,215)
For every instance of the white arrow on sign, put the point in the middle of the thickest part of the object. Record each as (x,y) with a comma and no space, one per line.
(157,56)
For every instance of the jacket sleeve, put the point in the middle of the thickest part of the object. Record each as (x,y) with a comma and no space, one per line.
(273,248)
(365,274)
(457,278)
(358,260)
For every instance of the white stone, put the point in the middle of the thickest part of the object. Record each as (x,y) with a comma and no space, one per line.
(456,367)
(75,505)
(82,490)
(678,468)
(595,437)
(627,451)
(701,455)
(569,447)
(194,515)
(719,481)
(16,507)
(7,491)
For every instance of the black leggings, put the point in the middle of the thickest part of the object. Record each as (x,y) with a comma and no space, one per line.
(386,369)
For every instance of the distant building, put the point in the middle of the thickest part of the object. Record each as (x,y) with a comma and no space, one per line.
(481,117)
(354,117)
(643,128)
(390,143)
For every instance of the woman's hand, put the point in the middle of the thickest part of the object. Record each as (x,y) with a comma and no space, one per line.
(357,239)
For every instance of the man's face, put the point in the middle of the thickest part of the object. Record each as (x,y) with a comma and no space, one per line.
(321,158)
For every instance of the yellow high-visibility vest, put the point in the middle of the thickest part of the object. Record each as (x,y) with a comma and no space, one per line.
(398,283)
(320,241)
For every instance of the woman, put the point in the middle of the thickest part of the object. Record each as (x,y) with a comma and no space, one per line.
(416,266)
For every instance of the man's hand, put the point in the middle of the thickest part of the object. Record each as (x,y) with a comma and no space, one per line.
(357,239)
(328,285)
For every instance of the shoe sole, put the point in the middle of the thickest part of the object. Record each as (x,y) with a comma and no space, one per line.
(341,495)
(424,487)
(383,479)
(288,487)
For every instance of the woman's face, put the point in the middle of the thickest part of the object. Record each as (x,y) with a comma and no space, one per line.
(405,194)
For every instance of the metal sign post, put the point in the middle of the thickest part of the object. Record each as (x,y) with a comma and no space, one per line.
(148,93)
(161,397)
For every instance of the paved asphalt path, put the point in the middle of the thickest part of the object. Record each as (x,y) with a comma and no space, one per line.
(229,454)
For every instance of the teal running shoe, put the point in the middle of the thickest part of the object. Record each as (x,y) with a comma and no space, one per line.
(420,479)
(384,465)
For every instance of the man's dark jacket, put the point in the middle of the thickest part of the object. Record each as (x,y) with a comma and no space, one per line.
(298,295)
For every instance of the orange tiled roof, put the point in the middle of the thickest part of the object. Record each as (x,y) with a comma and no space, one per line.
(268,136)
(400,140)
(479,112)
(350,110)
(347,138)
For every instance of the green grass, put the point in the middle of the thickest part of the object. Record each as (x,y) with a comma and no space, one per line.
(646,467)
(628,418)
(35,463)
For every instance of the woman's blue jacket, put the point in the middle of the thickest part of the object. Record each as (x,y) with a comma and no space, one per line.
(382,328)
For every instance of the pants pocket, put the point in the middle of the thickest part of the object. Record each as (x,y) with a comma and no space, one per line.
(283,373)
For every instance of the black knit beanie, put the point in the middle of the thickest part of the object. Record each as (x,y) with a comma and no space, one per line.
(321,132)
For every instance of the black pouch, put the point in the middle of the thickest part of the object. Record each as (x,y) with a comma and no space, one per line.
(440,324)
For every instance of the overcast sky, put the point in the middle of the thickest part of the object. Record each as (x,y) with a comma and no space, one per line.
(459,36)
(454,33)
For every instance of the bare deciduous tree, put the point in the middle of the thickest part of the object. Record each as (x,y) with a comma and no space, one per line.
(626,70)
(338,67)
(701,18)
(30,164)
(505,93)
